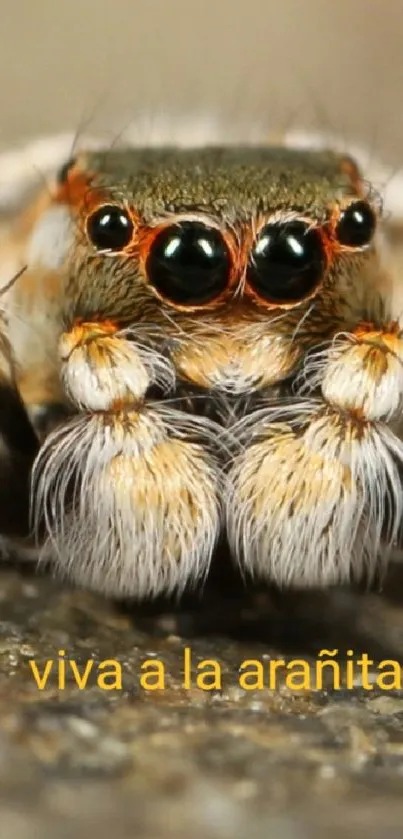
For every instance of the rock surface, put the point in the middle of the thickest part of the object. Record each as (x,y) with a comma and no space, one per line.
(226,763)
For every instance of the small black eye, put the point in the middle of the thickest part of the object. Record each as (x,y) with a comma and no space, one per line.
(189,263)
(287,262)
(356,225)
(110,228)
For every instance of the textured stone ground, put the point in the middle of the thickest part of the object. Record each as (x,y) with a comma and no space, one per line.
(189,763)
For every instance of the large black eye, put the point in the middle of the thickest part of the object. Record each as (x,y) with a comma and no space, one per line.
(189,263)
(110,228)
(287,262)
(356,225)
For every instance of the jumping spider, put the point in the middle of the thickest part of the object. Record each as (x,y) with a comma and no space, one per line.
(217,323)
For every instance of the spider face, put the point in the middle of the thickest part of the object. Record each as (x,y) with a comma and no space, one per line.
(237,260)
(217,322)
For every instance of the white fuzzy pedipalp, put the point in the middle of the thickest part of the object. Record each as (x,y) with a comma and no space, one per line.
(130,507)
(96,390)
(110,369)
(317,499)
(362,374)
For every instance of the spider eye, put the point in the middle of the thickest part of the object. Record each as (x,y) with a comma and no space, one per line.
(356,225)
(189,263)
(287,262)
(110,228)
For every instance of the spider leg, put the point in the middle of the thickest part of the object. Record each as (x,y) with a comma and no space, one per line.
(316,497)
(18,448)
(127,490)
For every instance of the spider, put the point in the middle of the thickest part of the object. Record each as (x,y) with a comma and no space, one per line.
(216,324)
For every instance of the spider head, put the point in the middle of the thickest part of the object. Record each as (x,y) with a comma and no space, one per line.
(235,260)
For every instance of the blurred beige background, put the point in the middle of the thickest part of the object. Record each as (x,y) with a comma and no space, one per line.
(314,63)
